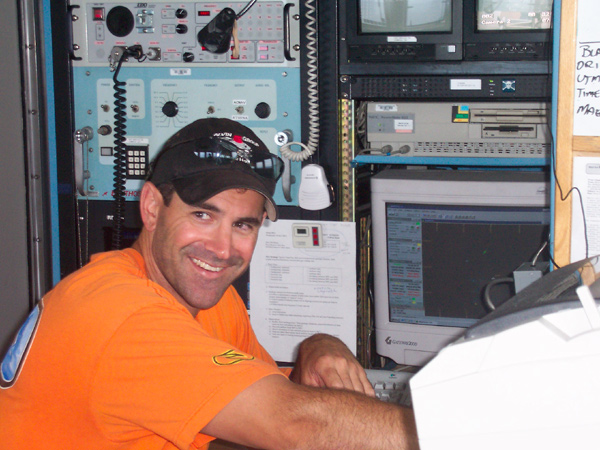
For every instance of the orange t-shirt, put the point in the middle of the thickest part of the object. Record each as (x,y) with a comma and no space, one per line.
(115,362)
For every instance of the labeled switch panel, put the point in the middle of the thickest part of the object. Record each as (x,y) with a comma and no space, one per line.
(268,33)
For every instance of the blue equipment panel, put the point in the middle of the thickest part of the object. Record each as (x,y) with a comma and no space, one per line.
(159,101)
(173,80)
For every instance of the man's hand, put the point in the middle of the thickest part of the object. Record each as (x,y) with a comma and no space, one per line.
(325,361)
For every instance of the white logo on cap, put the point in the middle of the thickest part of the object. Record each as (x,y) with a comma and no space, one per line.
(243,152)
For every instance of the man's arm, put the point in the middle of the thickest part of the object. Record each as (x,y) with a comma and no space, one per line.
(277,414)
(325,361)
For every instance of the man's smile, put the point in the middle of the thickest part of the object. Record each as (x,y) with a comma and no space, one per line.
(206,266)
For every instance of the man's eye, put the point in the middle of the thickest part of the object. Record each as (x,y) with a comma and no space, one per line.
(244,226)
(201,215)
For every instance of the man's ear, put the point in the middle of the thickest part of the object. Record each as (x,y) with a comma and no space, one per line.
(151,201)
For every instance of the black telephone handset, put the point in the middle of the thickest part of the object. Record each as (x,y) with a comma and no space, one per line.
(216,35)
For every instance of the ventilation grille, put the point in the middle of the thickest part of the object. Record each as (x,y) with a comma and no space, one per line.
(475,149)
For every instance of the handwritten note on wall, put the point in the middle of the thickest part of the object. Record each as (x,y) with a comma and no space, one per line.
(587,71)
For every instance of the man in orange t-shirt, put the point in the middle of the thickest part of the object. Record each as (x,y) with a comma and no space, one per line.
(151,347)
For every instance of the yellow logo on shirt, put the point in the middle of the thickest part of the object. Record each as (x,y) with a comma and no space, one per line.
(231,357)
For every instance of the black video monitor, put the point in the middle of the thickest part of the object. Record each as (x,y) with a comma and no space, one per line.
(408,16)
(514,15)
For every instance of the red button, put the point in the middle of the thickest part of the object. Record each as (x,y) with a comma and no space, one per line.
(98,13)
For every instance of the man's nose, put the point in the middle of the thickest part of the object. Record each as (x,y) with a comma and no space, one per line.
(220,242)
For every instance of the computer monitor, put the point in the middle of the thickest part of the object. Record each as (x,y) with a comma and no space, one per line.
(439,238)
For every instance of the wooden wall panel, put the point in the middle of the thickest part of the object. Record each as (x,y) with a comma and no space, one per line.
(564,131)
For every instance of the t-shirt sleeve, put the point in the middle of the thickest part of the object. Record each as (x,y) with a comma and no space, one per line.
(229,321)
(163,373)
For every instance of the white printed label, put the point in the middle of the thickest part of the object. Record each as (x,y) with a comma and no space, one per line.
(403,125)
(402,39)
(465,85)
(180,72)
(386,108)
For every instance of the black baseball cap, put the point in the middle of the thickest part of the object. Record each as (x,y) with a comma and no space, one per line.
(210,156)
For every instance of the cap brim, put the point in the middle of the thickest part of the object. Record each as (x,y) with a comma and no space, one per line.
(196,189)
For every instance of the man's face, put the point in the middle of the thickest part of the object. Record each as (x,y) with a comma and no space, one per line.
(198,251)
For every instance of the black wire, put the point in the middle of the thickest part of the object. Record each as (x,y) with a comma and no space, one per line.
(120,158)
(564,197)
(245,9)
(553,261)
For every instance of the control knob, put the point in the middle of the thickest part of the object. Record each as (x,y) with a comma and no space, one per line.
(170,109)
(262,110)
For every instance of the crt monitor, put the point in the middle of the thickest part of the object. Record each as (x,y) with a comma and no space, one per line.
(392,31)
(439,238)
(397,17)
(514,15)
(508,29)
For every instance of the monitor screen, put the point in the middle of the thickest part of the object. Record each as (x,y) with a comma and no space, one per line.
(440,258)
(405,16)
(440,237)
(514,15)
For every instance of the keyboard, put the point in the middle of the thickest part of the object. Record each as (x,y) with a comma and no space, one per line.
(391,386)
